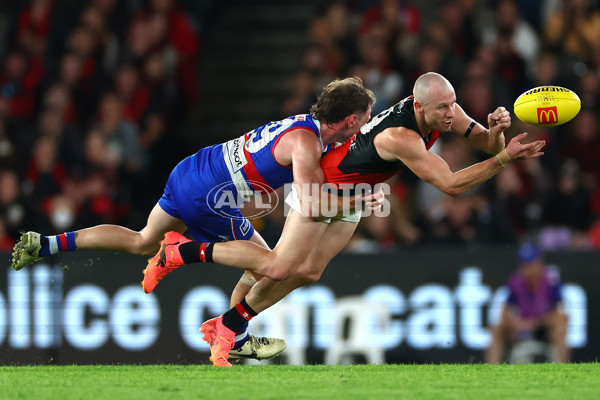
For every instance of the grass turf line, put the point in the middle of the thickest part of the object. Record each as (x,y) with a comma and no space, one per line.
(261,382)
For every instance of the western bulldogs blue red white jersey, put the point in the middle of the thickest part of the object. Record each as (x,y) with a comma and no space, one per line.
(357,161)
(208,189)
(250,159)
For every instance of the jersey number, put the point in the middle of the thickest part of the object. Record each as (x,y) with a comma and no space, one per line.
(375,120)
(261,137)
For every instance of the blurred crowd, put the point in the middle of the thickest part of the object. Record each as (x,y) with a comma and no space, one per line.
(491,51)
(94,95)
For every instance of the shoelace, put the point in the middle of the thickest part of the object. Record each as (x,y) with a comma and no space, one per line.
(261,341)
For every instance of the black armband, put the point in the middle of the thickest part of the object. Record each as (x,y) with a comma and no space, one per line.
(469,129)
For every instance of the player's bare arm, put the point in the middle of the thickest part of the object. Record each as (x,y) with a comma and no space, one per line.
(407,146)
(304,150)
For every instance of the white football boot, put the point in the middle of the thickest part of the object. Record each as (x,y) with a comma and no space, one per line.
(258,348)
(26,251)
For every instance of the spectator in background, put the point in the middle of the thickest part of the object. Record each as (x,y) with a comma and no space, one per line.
(106,42)
(478,95)
(519,35)
(332,58)
(183,37)
(301,95)
(453,222)
(19,81)
(343,34)
(34,26)
(574,29)
(161,85)
(399,22)
(159,146)
(15,210)
(509,194)
(577,151)
(149,35)
(58,98)
(46,174)
(589,90)
(94,189)
(149,50)
(378,72)
(116,14)
(399,16)
(121,134)
(492,223)
(430,57)
(546,70)
(376,234)
(533,308)
(511,69)
(457,18)
(82,42)
(131,92)
(444,220)
(51,125)
(567,211)
(581,142)
(78,101)
(9,156)
(69,73)
(61,211)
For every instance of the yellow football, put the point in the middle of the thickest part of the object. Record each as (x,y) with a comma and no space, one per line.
(547,106)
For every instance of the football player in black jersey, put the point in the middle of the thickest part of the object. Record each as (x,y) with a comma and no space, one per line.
(397,138)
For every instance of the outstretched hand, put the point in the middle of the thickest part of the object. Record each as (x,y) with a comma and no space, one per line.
(521,151)
(374,201)
(499,120)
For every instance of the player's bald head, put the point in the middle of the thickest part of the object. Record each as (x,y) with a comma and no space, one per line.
(430,84)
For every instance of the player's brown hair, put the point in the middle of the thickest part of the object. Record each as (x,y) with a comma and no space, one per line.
(341,98)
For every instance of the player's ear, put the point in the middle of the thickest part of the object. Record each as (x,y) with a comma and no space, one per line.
(418,106)
(352,120)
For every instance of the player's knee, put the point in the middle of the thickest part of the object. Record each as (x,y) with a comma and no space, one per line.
(277,271)
(309,276)
(278,275)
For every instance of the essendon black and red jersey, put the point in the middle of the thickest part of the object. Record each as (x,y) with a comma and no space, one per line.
(356,160)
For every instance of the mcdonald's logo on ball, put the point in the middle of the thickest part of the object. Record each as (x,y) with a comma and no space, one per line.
(547,106)
(547,115)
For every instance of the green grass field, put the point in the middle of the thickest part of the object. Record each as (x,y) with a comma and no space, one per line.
(241,382)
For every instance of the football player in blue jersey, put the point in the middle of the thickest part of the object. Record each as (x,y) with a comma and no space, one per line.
(261,160)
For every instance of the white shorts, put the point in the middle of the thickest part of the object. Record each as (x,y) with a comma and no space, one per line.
(293,201)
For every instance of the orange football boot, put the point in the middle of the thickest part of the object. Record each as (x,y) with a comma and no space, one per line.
(165,261)
(220,339)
